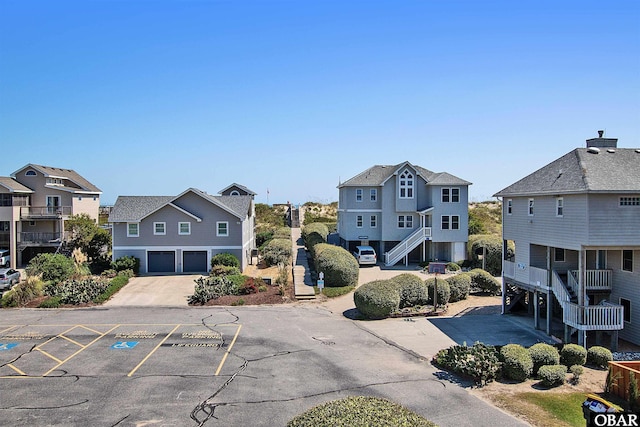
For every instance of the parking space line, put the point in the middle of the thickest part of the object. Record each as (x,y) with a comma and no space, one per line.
(153,351)
(9,328)
(77,352)
(224,358)
(48,355)
(15,369)
(71,341)
(89,329)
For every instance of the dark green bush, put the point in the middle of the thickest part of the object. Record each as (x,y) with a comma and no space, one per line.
(460,286)
(413,290)
(359,411)
(479,362)
(282,233)
(599,356)
(226,259)
(311,242)
(493,252)
(573,354)
(484,281)
(263,237)
(444,292)
(453,267)
(552,375)
(340,268)
(126,263)
(51,267)
(212,287)
(516,362)
(377,300)
(315,227)
(543,354)
(277,251)
(223,270)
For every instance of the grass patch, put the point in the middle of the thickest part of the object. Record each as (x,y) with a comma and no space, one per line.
(332,292)
(115,285)
(545,409)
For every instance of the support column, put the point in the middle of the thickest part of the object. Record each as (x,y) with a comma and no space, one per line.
(614,341)
(536,309)
(549,311)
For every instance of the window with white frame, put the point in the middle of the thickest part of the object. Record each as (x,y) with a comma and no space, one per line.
(450,195)
(30,173)
(455,222)
(445,222)
(509,206)
(530,207)
(405,221)
(159,228)
(133,229)
(373,194)
(222,228)
(234,193)
(627,260)
(373,221)
(559,206)
(450,222)
(405,184)
(629,201)
(358,194)
(184,228)
(359,221)
(455,195)
(446,195)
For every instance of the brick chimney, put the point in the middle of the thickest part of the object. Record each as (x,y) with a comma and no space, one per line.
(601,142)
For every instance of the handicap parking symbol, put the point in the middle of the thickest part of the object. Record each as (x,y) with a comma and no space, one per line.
(7,345)
(124,345)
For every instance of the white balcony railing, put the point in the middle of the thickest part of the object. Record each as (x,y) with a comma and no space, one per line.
(407,245)
(596,280)
(35,212)
(538,277)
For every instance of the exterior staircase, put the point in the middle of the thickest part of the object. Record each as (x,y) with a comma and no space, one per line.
(403,248)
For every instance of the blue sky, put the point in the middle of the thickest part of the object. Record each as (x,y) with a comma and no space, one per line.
(153,97)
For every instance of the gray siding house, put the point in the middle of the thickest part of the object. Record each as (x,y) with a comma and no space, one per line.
(35,202)
(180,234)
(406,213)
(575,226)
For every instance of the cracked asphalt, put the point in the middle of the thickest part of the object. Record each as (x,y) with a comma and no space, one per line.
(209,366)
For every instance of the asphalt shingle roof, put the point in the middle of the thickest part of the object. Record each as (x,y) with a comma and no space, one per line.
(70,174)
(14,186)
(241,187)
(378,174)
(582,171)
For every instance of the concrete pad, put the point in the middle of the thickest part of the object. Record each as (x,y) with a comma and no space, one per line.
(171,290)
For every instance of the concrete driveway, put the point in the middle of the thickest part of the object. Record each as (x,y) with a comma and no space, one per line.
(170,291)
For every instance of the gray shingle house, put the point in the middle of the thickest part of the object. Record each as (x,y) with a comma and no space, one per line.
(180,234)
(406,213)
(575,225)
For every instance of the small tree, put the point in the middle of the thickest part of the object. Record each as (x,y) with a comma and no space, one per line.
(52,267)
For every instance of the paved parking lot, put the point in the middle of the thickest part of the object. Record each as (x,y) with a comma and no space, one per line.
(233,366)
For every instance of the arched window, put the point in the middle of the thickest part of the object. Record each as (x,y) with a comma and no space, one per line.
(235,193)
(406,185)
(30,172)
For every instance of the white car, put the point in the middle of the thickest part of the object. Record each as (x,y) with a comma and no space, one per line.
(5,258)
(8,278)
(365,255)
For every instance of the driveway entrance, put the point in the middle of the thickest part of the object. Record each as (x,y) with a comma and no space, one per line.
(156,291)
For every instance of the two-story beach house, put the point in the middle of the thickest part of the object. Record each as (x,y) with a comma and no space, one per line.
(575,225)
(35,202)
(180,234)
(406,213)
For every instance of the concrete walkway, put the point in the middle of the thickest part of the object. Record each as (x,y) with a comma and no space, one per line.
(167,291)
(301,272)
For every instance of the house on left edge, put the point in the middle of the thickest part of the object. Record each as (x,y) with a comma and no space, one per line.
(180,234)
(35,202)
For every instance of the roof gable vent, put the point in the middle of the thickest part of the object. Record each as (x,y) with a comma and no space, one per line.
(593,150)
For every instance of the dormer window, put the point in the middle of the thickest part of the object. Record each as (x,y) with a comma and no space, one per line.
(406,185)
(55,181)
(30,172)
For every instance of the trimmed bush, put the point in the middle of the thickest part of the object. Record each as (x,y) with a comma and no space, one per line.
(359,411)
(282,233)
(479,362)
(484,281)
(315,227)
(340,268)
(51,267)
(444,293)
(552,375)
(453,267)
(599,356)
(493,251)
(516,362)
(573,354)
(226,259)
(413,291)
(543,354)
(311,242)
(223,270)
(208,288)
(126,263)
(277,251)
(460,286)
(377,300)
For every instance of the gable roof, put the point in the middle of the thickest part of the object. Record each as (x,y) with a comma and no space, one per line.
(13,186)
(239,187)
(583,170)
(377,175)
(70,174)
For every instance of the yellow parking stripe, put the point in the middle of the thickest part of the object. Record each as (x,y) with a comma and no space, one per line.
(71,341)
(15,369)
(89,329)
(153,351)
(49,355)
(9,328)
(224,358)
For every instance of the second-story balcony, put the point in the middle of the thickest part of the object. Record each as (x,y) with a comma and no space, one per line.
(45,212)
(595,280)
(40,238)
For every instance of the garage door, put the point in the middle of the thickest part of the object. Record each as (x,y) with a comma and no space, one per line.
(161,262)
(194,261)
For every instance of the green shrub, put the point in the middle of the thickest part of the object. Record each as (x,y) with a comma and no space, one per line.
(50,302)
(377,300)
(51,267)
(263,237)
(479,362)
(599,356)
(516,362)
(453,267)
(277,251)
(359,411)
(115,285)
(444,292)
(543,354)
(311,242)
(282,233)
(552,375)
(460,286)
(79,291)
(223,270)
(573,354)
(263,288)
(226,259)
(340,268)
(413,291)
(484,281)
(208,288)
(576,371)
(126,263)
(493,252)
(23,292)
(316,227)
